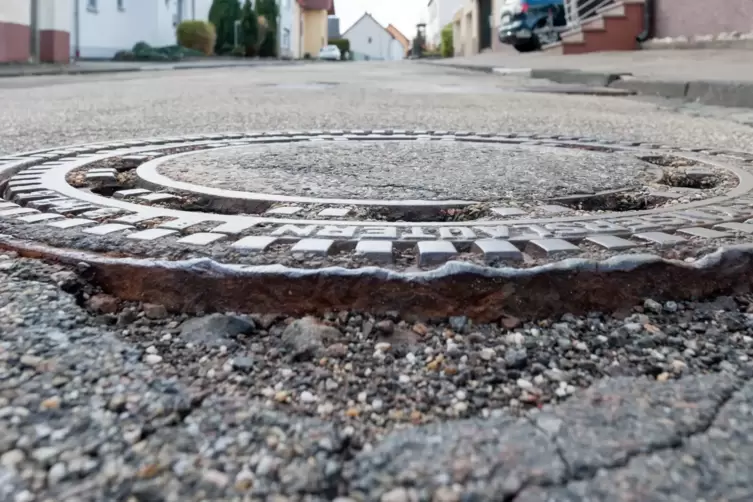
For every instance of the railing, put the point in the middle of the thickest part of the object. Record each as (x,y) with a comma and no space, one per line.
(577,11)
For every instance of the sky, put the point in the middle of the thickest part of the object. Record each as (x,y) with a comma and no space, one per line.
(404,14)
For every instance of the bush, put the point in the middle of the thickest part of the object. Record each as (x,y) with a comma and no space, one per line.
(249,29)
(197,35)
(124,56)
(446,47)
(223,14)
(144,52)
(343,44)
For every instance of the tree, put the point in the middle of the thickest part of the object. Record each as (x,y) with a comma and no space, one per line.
(249,28)
(446,48)
(269,11)
(223,14)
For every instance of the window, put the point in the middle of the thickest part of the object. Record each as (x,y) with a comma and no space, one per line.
(369,39)
(121,5)
(91,5)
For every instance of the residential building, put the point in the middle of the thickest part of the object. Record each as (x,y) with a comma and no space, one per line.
(98,29)
(439,15)
(401,39)
(333,27)
(285,28)
(193,9)
(15,31)
(104,27)
(370,40)
(35,30)
(310,26)
(474,26)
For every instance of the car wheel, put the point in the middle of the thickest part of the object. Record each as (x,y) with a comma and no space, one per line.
(529,45)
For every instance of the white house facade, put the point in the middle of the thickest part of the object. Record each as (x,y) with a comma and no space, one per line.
(370,40)
(101,28)
(439,15)
(285,27)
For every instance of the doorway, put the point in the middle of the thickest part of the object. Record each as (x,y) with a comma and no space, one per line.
(484,24)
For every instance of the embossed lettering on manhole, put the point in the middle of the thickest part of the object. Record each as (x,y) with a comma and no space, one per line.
(403,198)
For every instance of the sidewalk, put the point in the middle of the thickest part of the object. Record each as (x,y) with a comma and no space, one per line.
(98,67)
(712,77)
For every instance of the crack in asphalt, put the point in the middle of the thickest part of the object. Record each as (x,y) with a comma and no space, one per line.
(673,443)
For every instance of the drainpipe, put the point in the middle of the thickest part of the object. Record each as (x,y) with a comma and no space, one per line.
(35,56)
(77,28)
(648,22)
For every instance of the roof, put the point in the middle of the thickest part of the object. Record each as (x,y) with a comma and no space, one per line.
(398,35)
(328,5)
(367,15)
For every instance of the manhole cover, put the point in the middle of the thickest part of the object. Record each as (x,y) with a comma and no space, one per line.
(406,201)
(409,170)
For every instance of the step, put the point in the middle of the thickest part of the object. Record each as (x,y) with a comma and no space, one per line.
(613,29)
(573,37)
(554,48)
(594,23)
(614,10)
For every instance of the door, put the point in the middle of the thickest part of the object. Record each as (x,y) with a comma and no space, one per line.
(484,24)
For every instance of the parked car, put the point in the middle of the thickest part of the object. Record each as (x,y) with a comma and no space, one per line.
(527,25)
(330,52)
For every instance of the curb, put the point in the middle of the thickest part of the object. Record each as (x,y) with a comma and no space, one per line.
(665,89)
(569,76)
(713,93)
(721,93)
(595,79)
(40,72)
(65,71)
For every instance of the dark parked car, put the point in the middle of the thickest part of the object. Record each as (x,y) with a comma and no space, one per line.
(529,24)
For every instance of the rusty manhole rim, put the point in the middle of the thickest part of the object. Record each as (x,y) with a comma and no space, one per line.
(482,294)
